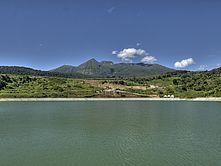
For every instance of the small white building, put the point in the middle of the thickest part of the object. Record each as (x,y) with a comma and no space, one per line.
(169,96)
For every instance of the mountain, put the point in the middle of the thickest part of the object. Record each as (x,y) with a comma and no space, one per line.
(17,70)
(108,68)
(92,68)
(65,69)
(216,71)
(95,68)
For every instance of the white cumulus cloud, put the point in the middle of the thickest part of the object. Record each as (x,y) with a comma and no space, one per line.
(184,63)
(129,53)
(114,52)
(203,67)
(148,59)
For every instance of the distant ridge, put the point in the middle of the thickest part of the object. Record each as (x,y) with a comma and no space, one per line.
(17,70)
(107,68)
(65,69)
(92,68)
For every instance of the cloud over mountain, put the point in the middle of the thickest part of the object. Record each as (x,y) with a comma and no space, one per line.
(148,59)
(184,63)
(128,54)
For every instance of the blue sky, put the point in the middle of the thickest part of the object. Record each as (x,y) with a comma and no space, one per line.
(44,34)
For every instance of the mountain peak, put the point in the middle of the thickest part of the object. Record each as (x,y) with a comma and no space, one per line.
(108,68)
(92,60)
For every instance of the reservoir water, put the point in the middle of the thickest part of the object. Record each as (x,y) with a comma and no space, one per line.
(110,133)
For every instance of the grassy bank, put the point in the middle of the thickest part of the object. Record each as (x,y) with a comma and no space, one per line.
(181,85)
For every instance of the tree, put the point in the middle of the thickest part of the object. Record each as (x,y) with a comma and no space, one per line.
(175,82)
(2,84)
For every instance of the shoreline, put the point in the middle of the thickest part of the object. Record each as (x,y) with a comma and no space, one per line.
(111,99)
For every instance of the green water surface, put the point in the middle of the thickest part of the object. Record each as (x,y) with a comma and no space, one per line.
(110,133)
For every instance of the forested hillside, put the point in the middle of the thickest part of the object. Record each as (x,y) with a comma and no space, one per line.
(182,84)
(29,86)
(16,70)
(109,69)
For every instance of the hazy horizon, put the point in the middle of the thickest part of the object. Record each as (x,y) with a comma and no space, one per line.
(104,61)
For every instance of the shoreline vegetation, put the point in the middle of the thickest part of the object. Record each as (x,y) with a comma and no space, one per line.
(178,85)
(111,99)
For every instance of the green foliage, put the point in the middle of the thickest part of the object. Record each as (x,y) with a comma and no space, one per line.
(182,84)
(2,84)
(176,82)
(27,86)
(14,70)
(191,84)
